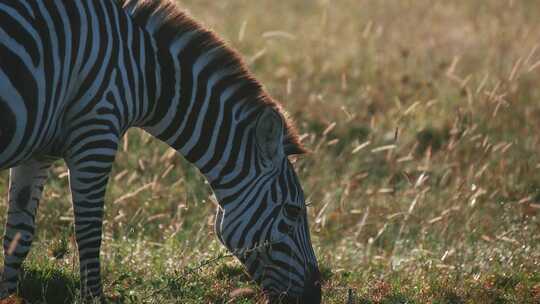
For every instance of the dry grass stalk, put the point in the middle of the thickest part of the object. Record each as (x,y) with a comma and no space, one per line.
(329,128)
(360,147)
(169,156)
(482,84)
(13,244)
(257,56)
(279,34)
(167,171)
(332,142)
(125,146)
(515,69)
(133,194)
(534,66)
(240,293)
(384,148)
(411,108)
(242,31)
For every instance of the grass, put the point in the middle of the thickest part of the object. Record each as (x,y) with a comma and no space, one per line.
(424,179)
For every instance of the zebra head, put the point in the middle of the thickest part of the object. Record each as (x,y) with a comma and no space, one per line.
(263,221)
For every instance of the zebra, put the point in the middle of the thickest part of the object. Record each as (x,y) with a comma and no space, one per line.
(76,75)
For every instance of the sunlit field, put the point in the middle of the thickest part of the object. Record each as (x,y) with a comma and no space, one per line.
(422,118)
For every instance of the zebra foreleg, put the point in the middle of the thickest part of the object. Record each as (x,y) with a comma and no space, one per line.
(26,186)
(88,174)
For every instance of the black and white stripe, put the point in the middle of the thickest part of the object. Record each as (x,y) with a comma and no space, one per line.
(75,75)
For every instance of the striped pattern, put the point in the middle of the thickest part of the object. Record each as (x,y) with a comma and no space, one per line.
(75,75)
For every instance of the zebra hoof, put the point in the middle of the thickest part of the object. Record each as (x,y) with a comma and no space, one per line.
(4,292)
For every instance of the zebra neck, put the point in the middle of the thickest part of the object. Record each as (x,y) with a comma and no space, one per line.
(205,110)
(207,101)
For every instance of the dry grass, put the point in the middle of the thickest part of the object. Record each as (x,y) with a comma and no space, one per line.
(424,180)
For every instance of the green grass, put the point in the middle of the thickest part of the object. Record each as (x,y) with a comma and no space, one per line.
(424,177)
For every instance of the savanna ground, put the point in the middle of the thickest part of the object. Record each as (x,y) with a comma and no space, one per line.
(424,178)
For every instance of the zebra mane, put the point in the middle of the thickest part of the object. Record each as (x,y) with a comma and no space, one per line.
(167,22)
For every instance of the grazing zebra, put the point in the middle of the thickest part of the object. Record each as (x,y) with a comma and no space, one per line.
(75,75)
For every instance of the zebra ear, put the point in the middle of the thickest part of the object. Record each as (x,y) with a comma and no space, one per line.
(291,148)
(269,132)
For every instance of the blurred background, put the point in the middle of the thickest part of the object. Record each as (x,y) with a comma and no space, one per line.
(424,178)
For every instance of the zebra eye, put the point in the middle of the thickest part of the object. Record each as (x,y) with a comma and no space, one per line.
(292,212)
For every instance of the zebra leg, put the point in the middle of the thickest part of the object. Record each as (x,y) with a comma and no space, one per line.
(26,186)
(88,175)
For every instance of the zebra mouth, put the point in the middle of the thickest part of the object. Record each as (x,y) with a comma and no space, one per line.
(309,293)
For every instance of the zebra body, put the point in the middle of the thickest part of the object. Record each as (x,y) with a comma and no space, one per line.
(75,75)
